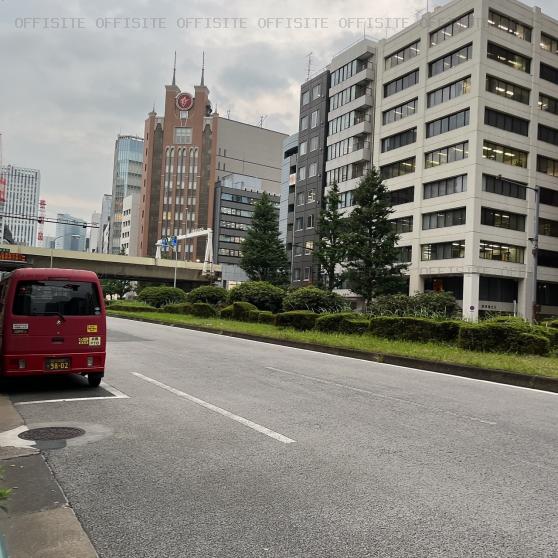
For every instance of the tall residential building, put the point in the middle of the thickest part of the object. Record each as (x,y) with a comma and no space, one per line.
(22,203)
(187,150)
(126,179)
(465,132)
(129,235)
(104,224)
(288,183)
(94,232)
(70,233)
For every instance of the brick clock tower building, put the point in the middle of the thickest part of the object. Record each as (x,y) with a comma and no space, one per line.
(185,152)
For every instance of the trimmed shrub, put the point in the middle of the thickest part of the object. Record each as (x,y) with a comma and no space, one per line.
(208,293)
(314,300)
(203,310)
(342,322)
(181,308)
(266,317)
(227,312)
(254,316)
(131,307)
(427,305)
(503,337)
(160,296)
(407,328)
(263,295)
(297,319)
(552,323)
(241,311)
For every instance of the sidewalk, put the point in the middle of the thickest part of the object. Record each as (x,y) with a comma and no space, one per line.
(39,522)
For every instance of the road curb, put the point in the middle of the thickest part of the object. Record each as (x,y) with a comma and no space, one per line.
(496,376)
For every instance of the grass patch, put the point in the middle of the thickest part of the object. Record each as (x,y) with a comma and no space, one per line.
(437,352)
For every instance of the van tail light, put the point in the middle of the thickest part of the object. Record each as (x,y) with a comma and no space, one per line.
(89,361)
(21,364)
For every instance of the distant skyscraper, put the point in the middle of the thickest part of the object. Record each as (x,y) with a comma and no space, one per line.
(94,232)
(104,222)
(128,161)
(22,200)
(67,229)
(129,236)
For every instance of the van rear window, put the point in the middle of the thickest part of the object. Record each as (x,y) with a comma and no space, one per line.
(56,297)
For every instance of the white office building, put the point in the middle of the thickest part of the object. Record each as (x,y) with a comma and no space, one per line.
(104,224)
(94,232)
(22,204)
(130,228)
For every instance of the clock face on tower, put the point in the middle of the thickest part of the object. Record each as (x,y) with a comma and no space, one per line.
(184,101)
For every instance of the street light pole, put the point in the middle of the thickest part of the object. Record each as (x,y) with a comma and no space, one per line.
(54,242)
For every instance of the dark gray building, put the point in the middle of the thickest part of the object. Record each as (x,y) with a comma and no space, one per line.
(235,196)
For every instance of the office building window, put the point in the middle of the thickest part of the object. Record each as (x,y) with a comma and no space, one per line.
(504,154)
(547,293)
(447,123)
(182,135)
(312,170)
(297,250)
(504,187)
(402,55)
(508,90)
(505,121)
(449,92)
(548,258)
(502,219)
(307,274)
(346,199)
(402,225)
(302,173)
(304,123)
(445,187)
(547,227)
(442,219)
(399,112)
(296,274)
(302,148)
(497,289)
(549,197)
(442,251)
(225,252)
(501,252)
(548,43)
(299,223)
(308,247)
(446,155)
(548,134)
(451,29)
(315,119)
(509,25)
(549,73)
(341,123)
(237,212)
(547,165)
(314,143)
(343,97)
(508,57)
(401,83)
(404,254)
(450,60)
(401,196)
(399,168)
(548,103)
(347,71)
(305,97)
(300,198)
(310,221)
(311,196)
(399,140)
(316,91)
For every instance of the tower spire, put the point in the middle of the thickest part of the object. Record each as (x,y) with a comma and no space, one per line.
(203,69)
(174,70)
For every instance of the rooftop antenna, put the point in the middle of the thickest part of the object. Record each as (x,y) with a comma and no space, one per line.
(309,68)
(203,69)
(262,118)
(174,70)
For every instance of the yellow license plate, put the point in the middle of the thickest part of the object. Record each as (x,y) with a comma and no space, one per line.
(58,364)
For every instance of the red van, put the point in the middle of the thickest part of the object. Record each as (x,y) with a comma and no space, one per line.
(52,321)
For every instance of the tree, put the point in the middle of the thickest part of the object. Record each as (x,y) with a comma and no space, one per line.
(264,257)
(117,287)
(371,264)
(330,250)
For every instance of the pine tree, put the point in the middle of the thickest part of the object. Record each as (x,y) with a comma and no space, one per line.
(371,264)
(330,249)
(264,257)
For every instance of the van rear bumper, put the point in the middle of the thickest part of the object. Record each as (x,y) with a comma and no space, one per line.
(35,364)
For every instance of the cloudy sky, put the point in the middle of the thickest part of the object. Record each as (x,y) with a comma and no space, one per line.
(65,93)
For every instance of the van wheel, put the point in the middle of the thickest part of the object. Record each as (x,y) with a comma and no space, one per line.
(94,379)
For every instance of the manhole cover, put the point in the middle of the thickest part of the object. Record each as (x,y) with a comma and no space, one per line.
(51,433)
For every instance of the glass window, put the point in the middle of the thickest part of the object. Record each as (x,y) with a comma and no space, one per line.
(502,219)
(548,103)
(450,60)
(182,135)
(346,199)
(548,43)
(310,221)
(347,71)
(504,154)
(315,119)
(548,258)
(401,83)
(549,197)
(399,168)
(501,252)
(547,165)
(299,223)
(307,274)
(443,251)
(305,97)
(447,123)
(497,289)
(449,92)
(312,169)
(302,148)
(56,297)
(508,57)
(296,274)
(508,90)
(445,187)
(409,108)
(402,224)
(402,55)
(509,25)
(304,123)
(308,247)
(297,249)
(399,140)
(442,219)
(451,29)
(505,121)
(316,91)
(548,134)
(311,196)
(547,293)
(404,254)
(314,143)
(302,173)
(504,187)
(403,195)
(549,73)
(300,198)
(446,155)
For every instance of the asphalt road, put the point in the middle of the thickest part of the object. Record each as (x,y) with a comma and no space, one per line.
(231,448)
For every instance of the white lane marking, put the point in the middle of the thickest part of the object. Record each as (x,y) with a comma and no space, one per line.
(116,394)
(211,407)
(380,396)
(366,361)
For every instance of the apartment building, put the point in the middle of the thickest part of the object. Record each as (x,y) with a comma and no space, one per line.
(288,185)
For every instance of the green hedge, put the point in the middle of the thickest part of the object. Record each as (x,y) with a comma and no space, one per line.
(342,322)
(227,312)
(314,299)
(180,308)
(261,294)
(266,317)
(414,329)
(160,296)
(238,311)
(204,310)
(297,319)
(420,305)
(208,293)
(131,307)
